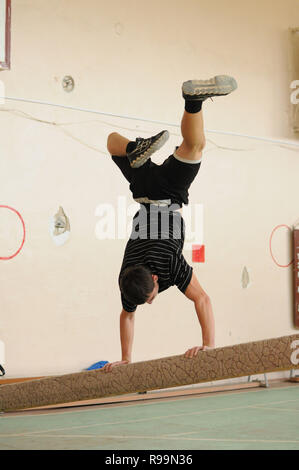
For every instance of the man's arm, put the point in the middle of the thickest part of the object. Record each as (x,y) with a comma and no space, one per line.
(203,307)
(127,320)
(126,339)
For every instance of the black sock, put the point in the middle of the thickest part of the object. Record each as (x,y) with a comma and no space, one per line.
(131,146)
(193,106)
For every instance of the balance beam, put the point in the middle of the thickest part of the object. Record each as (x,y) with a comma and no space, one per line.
(270,355)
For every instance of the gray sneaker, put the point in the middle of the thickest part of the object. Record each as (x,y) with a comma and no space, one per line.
(145,148)
(202,89)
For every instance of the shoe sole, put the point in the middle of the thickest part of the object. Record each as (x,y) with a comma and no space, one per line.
(141,159)
(219,85)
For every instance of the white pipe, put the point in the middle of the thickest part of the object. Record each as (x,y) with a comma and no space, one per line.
(134,118)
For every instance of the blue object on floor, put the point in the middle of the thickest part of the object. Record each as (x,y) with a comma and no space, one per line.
(97,365)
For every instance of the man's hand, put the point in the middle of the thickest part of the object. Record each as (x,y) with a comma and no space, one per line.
(193,351)
(108,367)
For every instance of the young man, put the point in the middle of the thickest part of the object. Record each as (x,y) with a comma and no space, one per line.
(153,259)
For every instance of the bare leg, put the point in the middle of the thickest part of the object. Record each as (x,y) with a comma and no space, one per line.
(117,144)
(192,129)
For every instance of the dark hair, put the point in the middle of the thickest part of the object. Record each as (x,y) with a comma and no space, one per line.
(136,283)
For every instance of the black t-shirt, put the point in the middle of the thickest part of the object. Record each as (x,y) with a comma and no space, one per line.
(157,241)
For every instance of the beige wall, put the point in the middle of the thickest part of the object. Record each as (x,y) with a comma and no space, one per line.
(60,305)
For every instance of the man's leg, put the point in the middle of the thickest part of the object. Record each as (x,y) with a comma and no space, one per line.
(117,144)
(192,129)
(138,151)
(128,155)
(195,92)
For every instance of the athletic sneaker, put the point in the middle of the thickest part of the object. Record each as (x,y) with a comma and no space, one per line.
(145,148)
(202,89)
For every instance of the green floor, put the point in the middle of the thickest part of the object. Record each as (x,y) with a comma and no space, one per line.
(255,419)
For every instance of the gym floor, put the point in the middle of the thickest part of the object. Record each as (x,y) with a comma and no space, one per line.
(259,418)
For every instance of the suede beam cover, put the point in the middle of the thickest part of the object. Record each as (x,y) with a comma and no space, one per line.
(216,364)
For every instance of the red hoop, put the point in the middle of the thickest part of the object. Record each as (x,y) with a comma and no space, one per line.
(24,233)
(273,231)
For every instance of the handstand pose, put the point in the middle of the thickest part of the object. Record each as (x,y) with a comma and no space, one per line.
(153,259)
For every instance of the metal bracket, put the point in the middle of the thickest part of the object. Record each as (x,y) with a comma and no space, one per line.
(293,377)
(262,384)
(68,83)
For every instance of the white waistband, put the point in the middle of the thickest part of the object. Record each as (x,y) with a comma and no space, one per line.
(185,160)
(146,200)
